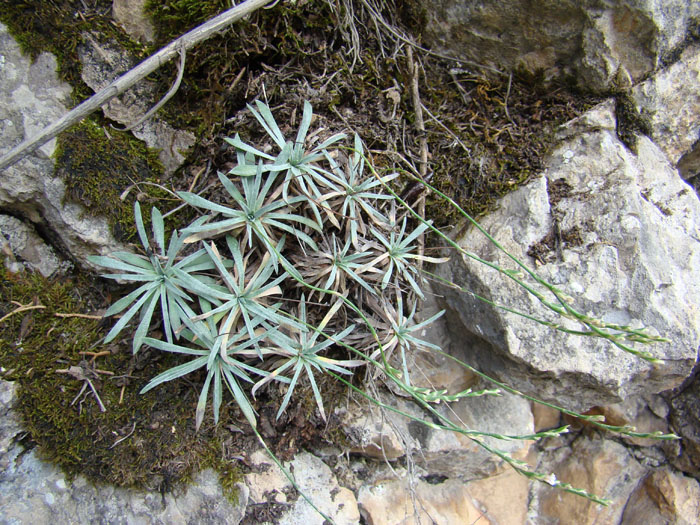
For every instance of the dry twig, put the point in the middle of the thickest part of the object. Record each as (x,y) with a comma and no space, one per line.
(80,316)
(168,95)
(420,126)
(78,373)
(133,428)
(22,308)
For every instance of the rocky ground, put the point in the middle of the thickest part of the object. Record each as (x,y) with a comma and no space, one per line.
(603,208)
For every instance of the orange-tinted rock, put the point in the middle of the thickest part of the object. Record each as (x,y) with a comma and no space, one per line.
(664,498)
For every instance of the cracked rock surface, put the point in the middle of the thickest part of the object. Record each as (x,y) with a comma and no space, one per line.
(600,45)
(31,97)
(619,232)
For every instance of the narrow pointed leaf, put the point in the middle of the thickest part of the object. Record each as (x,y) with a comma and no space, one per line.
(174,373)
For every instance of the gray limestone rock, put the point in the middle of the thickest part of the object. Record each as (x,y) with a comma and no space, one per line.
(268,484)
(620,234)
(318,483)
(23,248)
(104,62)
(31,97)
(664,497)
(670,103)
(388,435)
(129,13)
(684,418)
(9,422)
(601,44)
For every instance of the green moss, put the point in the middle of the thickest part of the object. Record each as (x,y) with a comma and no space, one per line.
(414,16)
(98,164)
(173,18)
(159,446)
(230,475)
(196,106)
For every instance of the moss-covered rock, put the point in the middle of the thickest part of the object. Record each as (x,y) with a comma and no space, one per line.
(58,27)
(138,440)
(99,164)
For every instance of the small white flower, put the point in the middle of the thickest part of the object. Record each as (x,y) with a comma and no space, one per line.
(551,480)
